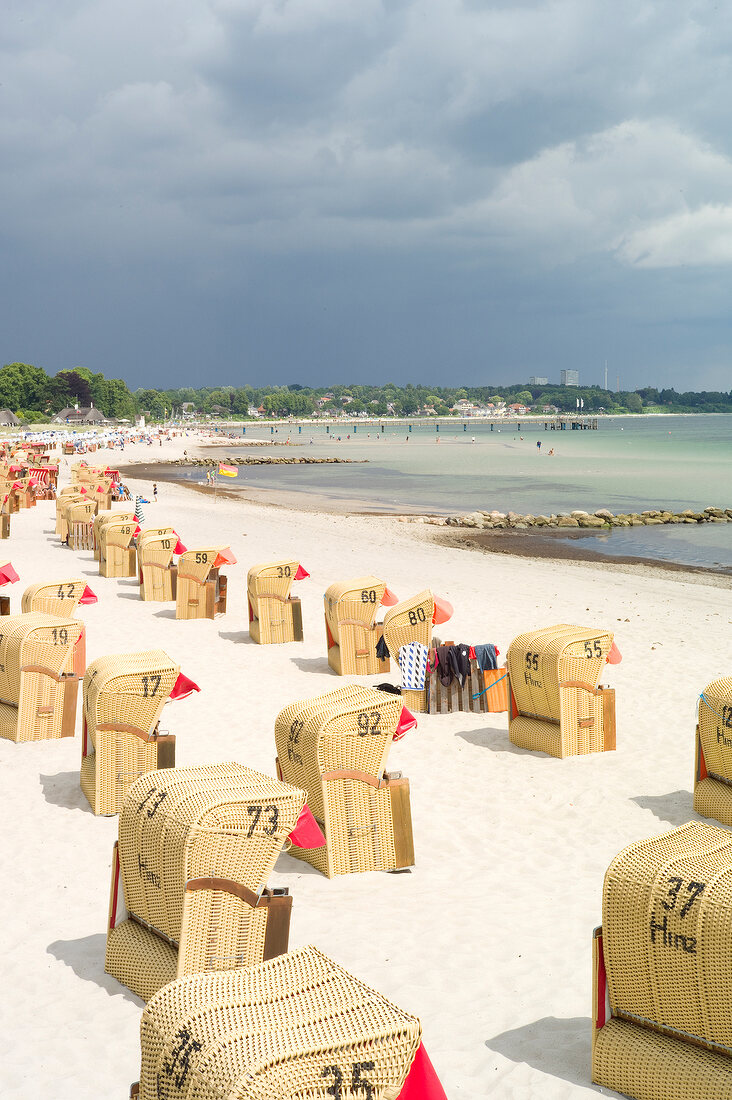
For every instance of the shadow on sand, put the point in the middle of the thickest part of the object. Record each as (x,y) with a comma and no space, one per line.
(560,1047)
(63,790)
(85,956)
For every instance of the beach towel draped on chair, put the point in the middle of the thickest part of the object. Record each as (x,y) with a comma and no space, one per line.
(408,632)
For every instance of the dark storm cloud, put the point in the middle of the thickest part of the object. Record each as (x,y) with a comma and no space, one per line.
(320,189)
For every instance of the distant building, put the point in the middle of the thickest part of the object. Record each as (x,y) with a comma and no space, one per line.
(8,418)
(569,378)
(536,381)
(76,415)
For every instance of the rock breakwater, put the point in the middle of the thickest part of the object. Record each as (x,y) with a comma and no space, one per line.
(603,517)
(260,460)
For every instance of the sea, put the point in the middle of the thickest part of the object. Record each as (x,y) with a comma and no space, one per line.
(457,466)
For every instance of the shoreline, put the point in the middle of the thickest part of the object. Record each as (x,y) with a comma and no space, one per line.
(539,544)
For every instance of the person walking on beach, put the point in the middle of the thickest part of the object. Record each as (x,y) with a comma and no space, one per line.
(155,491)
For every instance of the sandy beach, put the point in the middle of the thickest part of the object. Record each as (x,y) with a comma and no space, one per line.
(488,939)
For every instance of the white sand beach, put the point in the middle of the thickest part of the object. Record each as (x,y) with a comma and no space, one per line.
(488,939)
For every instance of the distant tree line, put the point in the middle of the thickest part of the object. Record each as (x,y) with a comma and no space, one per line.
(36,396)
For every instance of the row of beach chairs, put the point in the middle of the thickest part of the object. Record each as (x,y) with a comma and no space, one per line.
(195,931)
(189,904)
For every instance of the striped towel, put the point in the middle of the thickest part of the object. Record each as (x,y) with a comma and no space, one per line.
(413,664)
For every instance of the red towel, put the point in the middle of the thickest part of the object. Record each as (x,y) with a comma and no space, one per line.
(307,833)
(183,687)
(614,657)
(422,1082)
(389,599)
(88,596)
(301,574)
(179,547)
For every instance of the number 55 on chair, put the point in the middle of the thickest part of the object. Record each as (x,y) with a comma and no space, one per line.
(274,615)
(556,704)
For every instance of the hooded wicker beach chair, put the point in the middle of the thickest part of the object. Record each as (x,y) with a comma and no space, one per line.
(79,522)
(408,634)
(336,747)
(201,590)
(124,695)
(57,597)
(662,996)
(109,516)
(117,553)
(351,631)
(64,497)
(196,847)
(555,704)
(4,522)
(274,615)
(9,497)
(41,662)
(713,770)
(156,547)
(297,1027)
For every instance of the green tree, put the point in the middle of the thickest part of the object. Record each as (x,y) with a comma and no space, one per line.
(22,386)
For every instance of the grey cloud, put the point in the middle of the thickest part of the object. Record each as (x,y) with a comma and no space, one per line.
(431,146)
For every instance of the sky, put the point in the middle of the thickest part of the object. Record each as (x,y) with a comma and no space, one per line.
(455,192)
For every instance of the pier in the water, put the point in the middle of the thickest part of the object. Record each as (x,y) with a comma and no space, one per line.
(581,424)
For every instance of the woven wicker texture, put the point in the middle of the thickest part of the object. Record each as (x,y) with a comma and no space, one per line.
(297,1027)
(641,1063)
(347,730)
(713,776)
(104,517)
(54,597)
(352,632)
(74,509)
(554,673)
(411,621)
(221,821)
(38,676)
(117,554)
(271,607)
(667,929)
(200,587)
(155,550)
(123,698)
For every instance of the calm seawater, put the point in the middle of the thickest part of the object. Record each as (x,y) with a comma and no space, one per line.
(626,465)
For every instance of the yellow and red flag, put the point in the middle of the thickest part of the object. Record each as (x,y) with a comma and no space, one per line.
(228,471)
